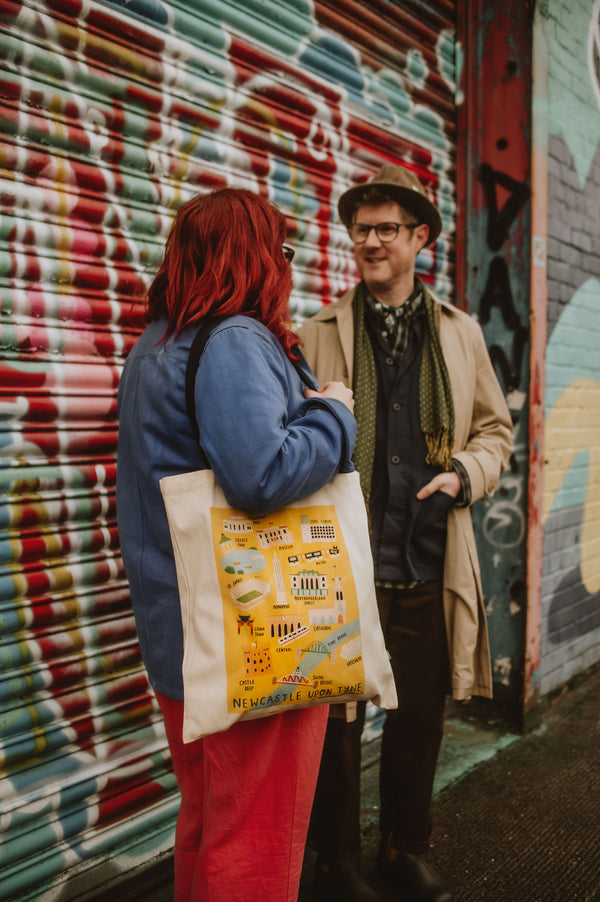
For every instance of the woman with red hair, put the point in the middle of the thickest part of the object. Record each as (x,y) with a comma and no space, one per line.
(246,793)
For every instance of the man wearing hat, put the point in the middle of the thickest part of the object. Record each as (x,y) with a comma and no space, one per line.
(434,435)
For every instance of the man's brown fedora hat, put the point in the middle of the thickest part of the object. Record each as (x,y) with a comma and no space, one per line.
(404,186)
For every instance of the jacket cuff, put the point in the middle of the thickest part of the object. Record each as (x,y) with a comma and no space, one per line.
(465,495)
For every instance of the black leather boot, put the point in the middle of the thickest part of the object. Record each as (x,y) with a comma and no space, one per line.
(413,878)
(334,885)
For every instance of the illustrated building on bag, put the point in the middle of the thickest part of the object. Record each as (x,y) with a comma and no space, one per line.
(317,532)
(309,582)
(336,613)
(274,535)
(236,523)
(258,660)
(283,625)
(351,649)
(226,545)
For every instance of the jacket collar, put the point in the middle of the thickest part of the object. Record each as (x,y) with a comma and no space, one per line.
(341,311)
(342,308)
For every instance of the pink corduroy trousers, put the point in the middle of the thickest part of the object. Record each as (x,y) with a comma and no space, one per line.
(246,797)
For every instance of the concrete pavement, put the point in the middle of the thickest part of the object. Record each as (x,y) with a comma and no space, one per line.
(516,817)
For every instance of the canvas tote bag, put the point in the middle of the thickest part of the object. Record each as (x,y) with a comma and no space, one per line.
(279,612)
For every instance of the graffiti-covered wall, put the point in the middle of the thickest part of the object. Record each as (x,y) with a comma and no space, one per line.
(495,193)
(112,113)
(571,483)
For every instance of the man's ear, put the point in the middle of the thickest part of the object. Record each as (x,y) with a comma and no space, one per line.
(422,235)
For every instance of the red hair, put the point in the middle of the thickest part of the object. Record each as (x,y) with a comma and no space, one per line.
(224,256)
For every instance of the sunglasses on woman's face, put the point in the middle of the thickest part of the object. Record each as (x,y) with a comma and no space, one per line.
(288,252)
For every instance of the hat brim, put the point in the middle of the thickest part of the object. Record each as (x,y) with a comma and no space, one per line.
(408,198)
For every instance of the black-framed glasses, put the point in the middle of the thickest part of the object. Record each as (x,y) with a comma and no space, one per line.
(288,252)
(385,231)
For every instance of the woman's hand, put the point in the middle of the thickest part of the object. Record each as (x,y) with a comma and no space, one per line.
(335,390)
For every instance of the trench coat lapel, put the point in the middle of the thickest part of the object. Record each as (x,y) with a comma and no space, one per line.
(345,323)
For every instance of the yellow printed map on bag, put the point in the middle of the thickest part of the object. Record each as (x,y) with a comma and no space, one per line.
(290,611)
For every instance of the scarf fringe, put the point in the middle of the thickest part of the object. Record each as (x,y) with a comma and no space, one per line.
(439,448)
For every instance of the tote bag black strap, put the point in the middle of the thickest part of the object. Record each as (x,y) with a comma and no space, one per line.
(196,349)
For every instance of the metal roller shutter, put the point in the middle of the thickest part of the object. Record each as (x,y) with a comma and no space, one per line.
(110,115)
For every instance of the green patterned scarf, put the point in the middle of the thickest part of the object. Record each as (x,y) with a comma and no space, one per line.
(435,394)
(364,386)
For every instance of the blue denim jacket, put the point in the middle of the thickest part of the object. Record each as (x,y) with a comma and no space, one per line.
(265,442)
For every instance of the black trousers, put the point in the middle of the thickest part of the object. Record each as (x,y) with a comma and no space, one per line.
(413,626)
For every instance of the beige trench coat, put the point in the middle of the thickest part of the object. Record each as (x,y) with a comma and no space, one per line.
(482,444)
